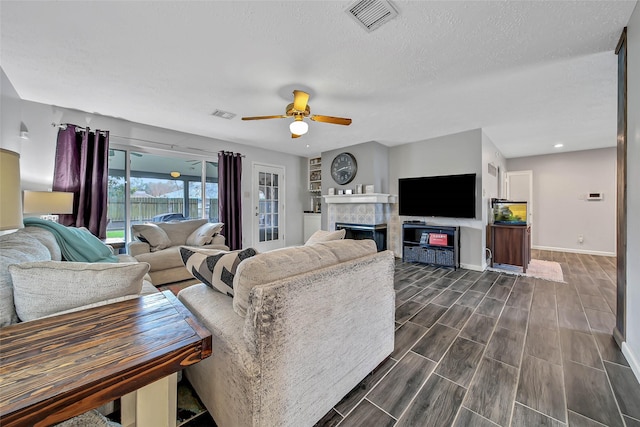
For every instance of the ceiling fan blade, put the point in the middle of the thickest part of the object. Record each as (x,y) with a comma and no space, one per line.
(300,100)
(264,117)
(293,135)
(328,119)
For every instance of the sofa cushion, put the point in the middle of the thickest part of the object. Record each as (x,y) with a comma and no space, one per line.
(214,268)
(274,265)
(281,263)
(15,248)
(325,236)
(203,235)
(46,288)
(152,234)
(178,231)
(348,251)
(162,259)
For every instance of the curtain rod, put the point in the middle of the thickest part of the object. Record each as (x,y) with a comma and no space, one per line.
(171,146)
(63,126)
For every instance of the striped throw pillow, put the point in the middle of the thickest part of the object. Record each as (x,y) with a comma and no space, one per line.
(215,268)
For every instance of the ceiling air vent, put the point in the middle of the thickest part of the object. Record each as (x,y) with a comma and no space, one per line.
(371,14)
(223,114)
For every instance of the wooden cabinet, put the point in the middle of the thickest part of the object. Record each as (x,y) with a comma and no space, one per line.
(431,244)
(510,244)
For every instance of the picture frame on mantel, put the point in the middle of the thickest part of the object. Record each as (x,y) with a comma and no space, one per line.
(369,189)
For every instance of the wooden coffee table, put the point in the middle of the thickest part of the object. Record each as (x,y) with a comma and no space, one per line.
(55,368)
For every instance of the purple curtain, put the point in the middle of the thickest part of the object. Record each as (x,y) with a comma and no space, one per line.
(230,197)
(81,167)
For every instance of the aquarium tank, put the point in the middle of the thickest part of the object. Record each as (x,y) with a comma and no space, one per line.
(509,212)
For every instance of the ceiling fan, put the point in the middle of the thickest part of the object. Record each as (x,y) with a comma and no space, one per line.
(299,109)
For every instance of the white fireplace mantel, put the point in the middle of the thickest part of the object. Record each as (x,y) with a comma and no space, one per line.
(361,198)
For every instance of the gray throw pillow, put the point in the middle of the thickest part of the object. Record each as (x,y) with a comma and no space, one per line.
(203,235)
(16,248)
(42,289)
(215,268)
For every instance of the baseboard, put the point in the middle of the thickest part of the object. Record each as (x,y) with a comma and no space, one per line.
(632,359)
(575,251)
(472,267)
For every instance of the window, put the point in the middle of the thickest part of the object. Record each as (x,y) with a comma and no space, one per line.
(160,189)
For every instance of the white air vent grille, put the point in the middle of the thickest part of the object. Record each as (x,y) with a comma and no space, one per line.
(371,14)
(223,114)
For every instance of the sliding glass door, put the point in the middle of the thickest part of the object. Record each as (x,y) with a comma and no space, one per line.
(156,188)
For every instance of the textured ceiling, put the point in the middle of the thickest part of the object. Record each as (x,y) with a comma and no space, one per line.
(531,74)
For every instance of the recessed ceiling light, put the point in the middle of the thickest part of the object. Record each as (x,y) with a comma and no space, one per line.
(558,146)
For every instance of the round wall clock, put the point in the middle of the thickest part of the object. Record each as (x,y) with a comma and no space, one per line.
(344,168)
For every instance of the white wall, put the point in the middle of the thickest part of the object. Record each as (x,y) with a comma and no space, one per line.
(37,156)
(10,115)
(631,347)
(560,184)
(447,155)
(373,169)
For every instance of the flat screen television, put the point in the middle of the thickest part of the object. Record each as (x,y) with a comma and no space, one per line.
(452,196)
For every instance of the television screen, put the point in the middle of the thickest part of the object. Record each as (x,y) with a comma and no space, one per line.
(452,196)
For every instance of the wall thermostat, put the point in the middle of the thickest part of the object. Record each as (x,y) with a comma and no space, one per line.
(594,196)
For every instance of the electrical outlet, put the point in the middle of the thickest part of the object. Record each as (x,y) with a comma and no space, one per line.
(580,238)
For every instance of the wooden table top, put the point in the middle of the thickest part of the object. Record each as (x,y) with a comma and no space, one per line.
(54,368)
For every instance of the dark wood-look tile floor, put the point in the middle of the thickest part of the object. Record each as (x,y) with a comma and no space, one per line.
(490,349)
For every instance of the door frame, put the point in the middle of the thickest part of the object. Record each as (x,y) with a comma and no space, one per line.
(255,239)
(529,174)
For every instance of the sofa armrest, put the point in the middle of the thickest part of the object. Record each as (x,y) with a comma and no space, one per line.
(137,248)
(225,381)
(301,324)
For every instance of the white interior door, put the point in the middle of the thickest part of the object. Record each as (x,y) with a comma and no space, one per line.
(519,188)
(268,207)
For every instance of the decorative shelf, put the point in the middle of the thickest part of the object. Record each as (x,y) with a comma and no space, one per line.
(360,198)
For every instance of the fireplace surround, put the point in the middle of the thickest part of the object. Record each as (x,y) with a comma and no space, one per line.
(377,232)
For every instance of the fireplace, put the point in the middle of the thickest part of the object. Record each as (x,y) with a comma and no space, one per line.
(377,232)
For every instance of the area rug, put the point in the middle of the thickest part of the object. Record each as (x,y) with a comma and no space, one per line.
(189,405)
(190,410)
(547,270)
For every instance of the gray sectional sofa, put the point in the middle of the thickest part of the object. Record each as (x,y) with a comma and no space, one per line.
(304,327)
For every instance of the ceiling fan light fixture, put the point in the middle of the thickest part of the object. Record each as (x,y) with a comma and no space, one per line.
(299,127)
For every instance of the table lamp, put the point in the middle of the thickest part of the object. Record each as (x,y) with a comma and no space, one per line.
(48,204)
(10,201)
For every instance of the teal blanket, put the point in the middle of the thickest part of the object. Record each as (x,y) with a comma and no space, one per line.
(76,244)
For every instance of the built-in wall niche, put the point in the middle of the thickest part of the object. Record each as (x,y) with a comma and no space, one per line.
(315,183)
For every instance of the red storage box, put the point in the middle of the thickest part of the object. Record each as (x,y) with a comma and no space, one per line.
(438,239)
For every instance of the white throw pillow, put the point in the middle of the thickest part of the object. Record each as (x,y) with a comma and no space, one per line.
(203,235)
(45,288)
(325,236)
(155,236)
